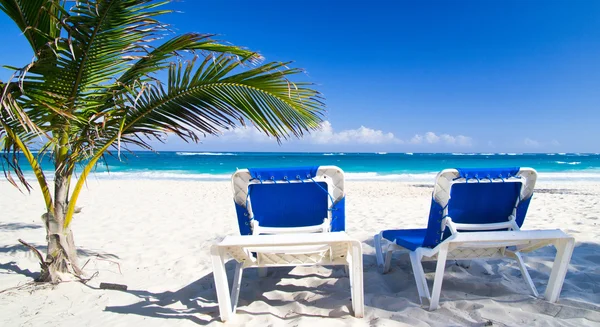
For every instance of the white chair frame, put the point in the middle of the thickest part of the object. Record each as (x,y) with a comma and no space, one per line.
(289,246)
(284,251)
(482,244)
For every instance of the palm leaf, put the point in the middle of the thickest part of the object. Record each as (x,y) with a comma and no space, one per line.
(211,98)
(35,18)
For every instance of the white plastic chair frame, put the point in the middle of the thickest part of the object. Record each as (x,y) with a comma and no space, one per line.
(289,246)
(340,249)
(494,244)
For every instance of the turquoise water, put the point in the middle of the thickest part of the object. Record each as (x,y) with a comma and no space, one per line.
(362,166)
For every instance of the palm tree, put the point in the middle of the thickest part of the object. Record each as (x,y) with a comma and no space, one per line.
(96,84)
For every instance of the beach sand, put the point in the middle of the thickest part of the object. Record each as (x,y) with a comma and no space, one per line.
(154,236)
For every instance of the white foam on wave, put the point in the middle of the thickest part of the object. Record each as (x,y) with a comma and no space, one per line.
(380,152)
(372,176)
(205,154)
(430,177)
(568,162)
(160,175)
(334,154)
(570,176)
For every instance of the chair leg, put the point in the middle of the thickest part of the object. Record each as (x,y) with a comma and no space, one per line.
(388,259)
(439,277)
(383,263)
(379,253)
(262,272)
(525,274)
(423,280)
(237,281)
(356,280)
(419,274)
(564,250)
(220,277)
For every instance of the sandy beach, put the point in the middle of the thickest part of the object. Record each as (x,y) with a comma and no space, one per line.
(154,236)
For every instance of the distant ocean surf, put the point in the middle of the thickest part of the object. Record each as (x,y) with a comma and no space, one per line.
(418,167)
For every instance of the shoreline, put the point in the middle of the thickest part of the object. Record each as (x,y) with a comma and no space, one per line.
(592,176)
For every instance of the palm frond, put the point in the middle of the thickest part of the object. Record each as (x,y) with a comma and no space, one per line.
(206,98)
(156,60)
(37,20)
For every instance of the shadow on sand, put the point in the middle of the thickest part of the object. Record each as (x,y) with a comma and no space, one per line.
(13,268)
(17,226)
(43,248)
(198,300)
(393,295)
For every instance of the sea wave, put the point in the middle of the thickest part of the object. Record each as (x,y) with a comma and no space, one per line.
(380,152)
(334,154)
(205,154)
(161,175)
(373,176)
(570,176)
(568,162)
(429,177)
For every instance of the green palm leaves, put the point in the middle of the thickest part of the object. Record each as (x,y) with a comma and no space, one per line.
(105,77)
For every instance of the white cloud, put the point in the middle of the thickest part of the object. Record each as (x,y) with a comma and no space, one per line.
(432,138)
(531,143)
(361,135)
(417,139)
(248,133)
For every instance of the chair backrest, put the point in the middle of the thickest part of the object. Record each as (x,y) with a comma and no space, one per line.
(289,197)
(478,197)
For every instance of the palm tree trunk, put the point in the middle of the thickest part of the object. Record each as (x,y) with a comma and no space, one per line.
(61,258)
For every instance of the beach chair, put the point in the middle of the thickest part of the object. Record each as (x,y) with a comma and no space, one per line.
(476,213)
(287,217)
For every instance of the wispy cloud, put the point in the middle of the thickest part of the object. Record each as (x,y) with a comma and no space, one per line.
(531,143)
(432,138)
(538,144)
(361,135)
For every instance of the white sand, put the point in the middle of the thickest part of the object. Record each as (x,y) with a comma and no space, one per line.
(154,236)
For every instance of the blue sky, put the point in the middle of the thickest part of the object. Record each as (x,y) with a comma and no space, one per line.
(415,76)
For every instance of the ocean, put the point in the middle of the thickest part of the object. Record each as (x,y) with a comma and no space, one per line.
(418,167)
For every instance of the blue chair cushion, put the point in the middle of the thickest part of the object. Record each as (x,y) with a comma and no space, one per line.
(407,238)
(284,204)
